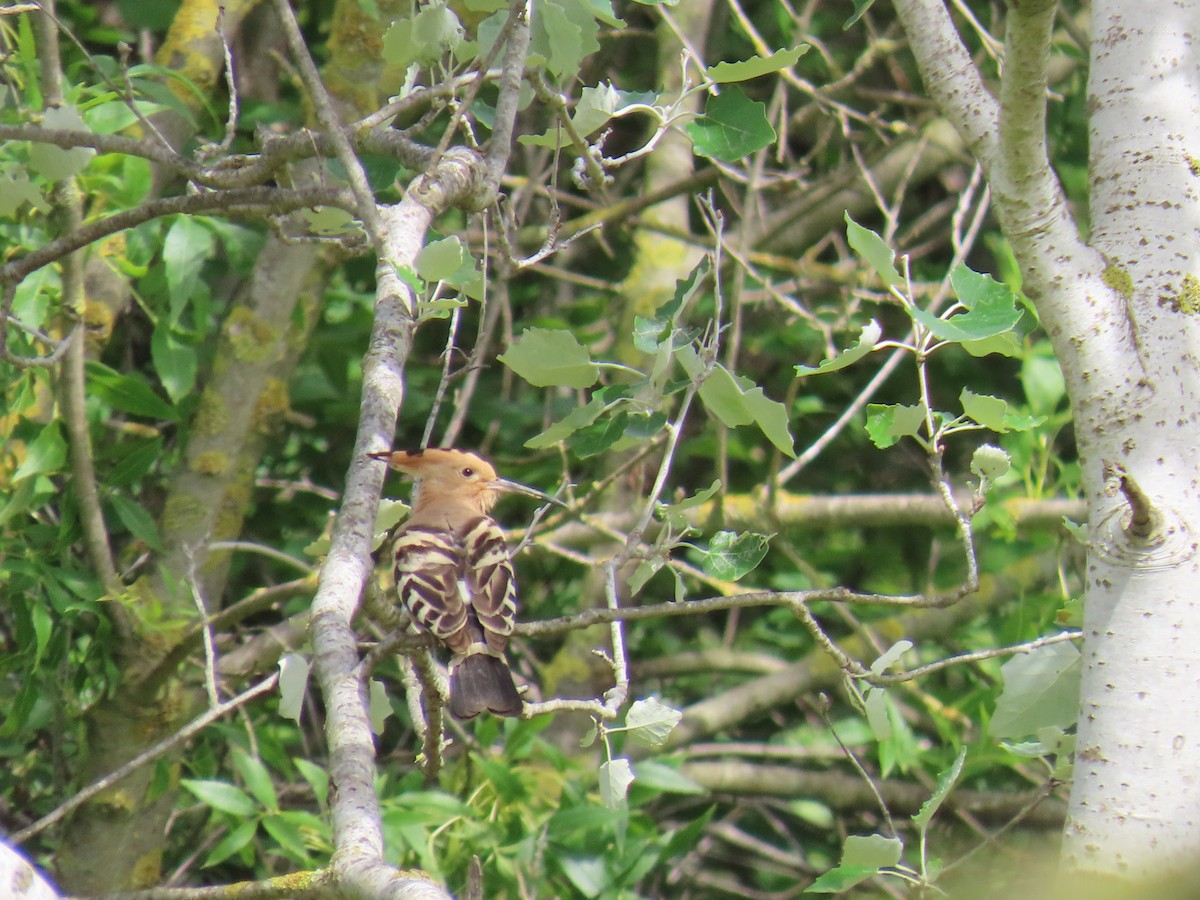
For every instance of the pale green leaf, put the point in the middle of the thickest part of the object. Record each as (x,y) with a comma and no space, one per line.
(45,455)
(58,163)
(222,796)
(990,462)
(870,246)
(755,66)
(551,357)
(577,418)
(293,682)
(840,879)
(439,260)
(986,410)
(676,513)
(379,705)
(852,354)
(891,657)
(887,423)
(186,248)
(871,850)
(175,363)
(615,778)
(1041,688)
(945,783)
(650,722)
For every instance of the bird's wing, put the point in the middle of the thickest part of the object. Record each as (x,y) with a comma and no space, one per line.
(429,568)
(490,581)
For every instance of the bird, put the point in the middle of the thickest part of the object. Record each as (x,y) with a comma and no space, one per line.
(454,574)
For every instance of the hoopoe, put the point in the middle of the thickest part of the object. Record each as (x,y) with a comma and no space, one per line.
(454,574)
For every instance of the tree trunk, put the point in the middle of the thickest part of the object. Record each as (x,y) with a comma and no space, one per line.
(1136,794)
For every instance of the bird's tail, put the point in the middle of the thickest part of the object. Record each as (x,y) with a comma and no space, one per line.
(482,683)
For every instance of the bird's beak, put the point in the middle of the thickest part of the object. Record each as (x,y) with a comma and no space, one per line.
(515,487)
(385,455)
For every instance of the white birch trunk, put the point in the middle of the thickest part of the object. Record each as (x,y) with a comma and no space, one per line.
(1135,802)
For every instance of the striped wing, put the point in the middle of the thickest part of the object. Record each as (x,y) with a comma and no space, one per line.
(491,583)
(458,585)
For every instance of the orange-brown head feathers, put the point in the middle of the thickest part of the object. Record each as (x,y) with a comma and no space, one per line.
(454,477)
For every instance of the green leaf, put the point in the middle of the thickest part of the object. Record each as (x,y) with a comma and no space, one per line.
(643,426)
(175,363)
(56,163)
(724,398)
(755,66)
(871,850)
(287,835)
(15,189)
(127,393)
(860,10)
(135,518)
(685,290)
(990,462)
(771,416)
(328,220)
(440,260)
(293,682)
(891,657)
(222,796)
(563,34)
(317,778)
(875,704)
(986,410)
(870,246)
(548,357)
(1041,688)
(730,555)
(186,248)
(946,781)
(676,513)
(644,571)
(423,39)
(1006,344)
(46,455)
(615,777)
(570,423)
(379,705)
(256,777)
(732,127)
(840,879)
(241,835)
(650,722)
(1042,379)
(595,107)
(595,439)
(588,874)
(991,309)
(887,423)
(866,342)
(134,462)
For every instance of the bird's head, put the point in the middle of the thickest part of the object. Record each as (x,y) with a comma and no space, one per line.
(456,476)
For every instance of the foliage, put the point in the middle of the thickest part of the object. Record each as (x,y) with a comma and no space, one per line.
(688,416)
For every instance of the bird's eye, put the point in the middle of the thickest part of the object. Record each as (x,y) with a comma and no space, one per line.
(468,472)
